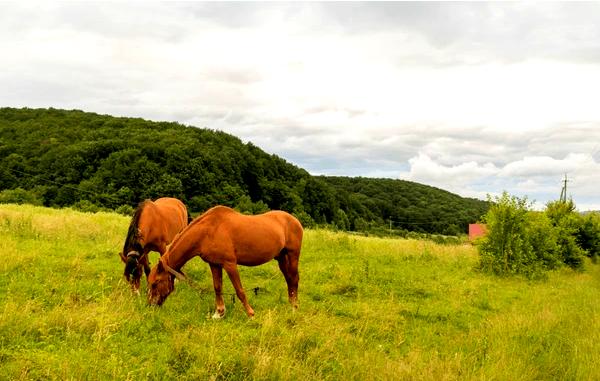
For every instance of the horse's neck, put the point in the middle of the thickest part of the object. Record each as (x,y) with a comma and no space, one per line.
(184,248)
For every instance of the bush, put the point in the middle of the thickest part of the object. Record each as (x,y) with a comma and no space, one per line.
(126,210)
(520,241)
(305,219)
(20,196)
(506,248)
(588,236)
(567,224)
(543,239)
(87,206)
(200,204)
(245,205)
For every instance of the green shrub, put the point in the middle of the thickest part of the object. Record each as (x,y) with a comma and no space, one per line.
(20,196)
(87,206)
(126,210)
(520,241)
(505,249)
(543,239)
(567,224)
(588,235)
(305,219)
(245,205)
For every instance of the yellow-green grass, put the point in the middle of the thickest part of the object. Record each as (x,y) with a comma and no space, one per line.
(370,308)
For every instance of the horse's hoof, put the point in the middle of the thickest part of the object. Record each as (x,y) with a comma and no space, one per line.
(217,316)
(137,292)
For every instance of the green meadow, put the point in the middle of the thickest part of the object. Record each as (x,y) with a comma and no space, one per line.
(370,309)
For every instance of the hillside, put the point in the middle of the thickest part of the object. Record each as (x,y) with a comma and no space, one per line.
(67,157)
(408,205)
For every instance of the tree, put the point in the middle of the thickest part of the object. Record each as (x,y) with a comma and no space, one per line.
(305,219)
(340,220)
(588,235)
(504,249)
(566,222)
(166,186)
(245,205)
(108,161)
(319,201)
(543,240)
(12,168)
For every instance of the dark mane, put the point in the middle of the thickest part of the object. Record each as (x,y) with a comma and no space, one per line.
(131,242)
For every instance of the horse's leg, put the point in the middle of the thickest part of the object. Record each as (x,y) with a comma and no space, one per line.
(234,276)
(288,264)
(146,263)
(217,275)
(142,263)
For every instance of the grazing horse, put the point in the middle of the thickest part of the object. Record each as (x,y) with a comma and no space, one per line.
(224,239)
(153,226)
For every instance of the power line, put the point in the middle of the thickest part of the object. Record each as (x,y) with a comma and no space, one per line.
(73,187)
(116,200)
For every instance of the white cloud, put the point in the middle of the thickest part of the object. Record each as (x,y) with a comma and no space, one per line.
(538,178)
(425,170)
(474,98)
(540,166)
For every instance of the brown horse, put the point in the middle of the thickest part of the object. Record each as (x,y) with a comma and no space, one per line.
(153,226)
(224,239)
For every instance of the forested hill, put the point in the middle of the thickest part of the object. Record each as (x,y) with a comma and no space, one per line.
(62,158)
(406,205)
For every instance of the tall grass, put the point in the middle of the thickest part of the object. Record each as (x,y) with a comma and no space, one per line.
(370,309)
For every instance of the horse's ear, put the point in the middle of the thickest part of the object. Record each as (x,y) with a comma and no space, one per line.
(122,257)
(160,266)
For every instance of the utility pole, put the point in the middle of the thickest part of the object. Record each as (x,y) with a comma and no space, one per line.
(563,192)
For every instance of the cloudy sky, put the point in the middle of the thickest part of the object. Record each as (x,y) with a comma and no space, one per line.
(474,98)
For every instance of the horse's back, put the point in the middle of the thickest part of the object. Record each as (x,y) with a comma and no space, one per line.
(171,203)
(292,227)
(277,227)
(164,220)
(276,220)
(173,210)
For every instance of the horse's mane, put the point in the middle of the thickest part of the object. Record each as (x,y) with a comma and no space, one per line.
(209,213)
(196,221)
(131,242)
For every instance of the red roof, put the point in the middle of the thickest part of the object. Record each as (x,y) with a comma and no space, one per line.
(476,230)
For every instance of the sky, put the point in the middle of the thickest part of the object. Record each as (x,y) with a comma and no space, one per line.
(475,98)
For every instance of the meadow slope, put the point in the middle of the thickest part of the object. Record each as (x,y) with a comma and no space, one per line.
(370,309)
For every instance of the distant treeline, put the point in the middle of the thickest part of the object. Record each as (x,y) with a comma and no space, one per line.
(66,158)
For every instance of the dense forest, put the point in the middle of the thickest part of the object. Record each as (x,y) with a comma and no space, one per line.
(407,205)
(70,158)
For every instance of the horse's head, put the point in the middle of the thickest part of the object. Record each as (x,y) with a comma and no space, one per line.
(133,268)
(160,284)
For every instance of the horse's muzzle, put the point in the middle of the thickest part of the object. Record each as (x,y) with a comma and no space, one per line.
(155,300)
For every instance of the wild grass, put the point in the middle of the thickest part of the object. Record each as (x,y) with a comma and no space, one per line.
(370,309)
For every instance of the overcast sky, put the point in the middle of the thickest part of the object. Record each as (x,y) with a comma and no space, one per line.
(473,98)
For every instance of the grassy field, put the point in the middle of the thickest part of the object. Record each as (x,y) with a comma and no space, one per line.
(370,309)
